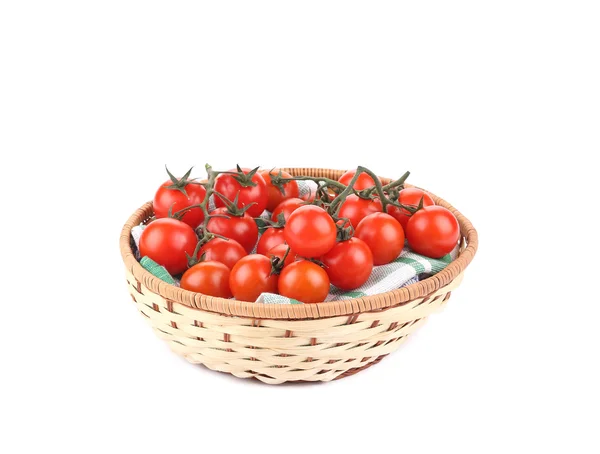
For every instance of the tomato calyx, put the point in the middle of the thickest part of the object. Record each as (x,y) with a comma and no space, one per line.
(181,183)
(232,206)
(277,263)
(344,228)
(193,259)
(278,180)
(244,179)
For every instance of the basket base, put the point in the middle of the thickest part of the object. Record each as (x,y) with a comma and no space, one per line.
(358,369)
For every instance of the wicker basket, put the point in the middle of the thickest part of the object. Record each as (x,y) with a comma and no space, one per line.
(282,343)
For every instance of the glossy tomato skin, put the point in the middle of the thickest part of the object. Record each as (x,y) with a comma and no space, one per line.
(274,195)
(310,231)
(304,281)
(229,187)
(228,252)
(433,231)
(349,263)
(279,251)
(270,238)
(166,241)
(287,207)
(364,181)
(242,229)
(409,196)
(356,209)
(166,198)
(384,236)
(252,276)
(209,278)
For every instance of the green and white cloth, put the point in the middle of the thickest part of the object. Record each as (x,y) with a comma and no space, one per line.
(407,269)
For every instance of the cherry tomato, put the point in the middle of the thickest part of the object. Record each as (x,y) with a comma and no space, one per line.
(269,239)
(252,276)
(166,241)
(349,263)
(228,252)
(174,199)
(280,251)
(384,236)
(304,281)
(433,231)
(409,196)
(230,187)
(274,194)
(310,231)
(242,229)
(363,181)
(356,208)
(208,278)
(287,207)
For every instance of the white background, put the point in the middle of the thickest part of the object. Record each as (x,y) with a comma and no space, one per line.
(492,105)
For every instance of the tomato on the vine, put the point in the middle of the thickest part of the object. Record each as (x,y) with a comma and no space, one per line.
(175,195)
(409,196)
(270,238)
(286,207)
(248,186)
(356,208)
(310,231)
(228,252)
(252,276)
(274,194)
(384,236)
(304,281)
(209,278)
(242,229)
(167,241)
(433,231)
(280,251)
(349,263)
(364,180)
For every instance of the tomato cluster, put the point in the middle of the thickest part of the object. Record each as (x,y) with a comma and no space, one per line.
(335,235)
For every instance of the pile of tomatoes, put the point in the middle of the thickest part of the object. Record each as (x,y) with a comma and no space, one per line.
(308,244)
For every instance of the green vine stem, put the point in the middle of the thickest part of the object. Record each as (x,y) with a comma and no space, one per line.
(332,207)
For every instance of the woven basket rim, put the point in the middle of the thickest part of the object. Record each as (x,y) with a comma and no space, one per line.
(253,310)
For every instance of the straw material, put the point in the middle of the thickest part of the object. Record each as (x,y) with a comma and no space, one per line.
(281,343)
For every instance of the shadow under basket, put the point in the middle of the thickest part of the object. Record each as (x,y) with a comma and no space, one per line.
(285,343)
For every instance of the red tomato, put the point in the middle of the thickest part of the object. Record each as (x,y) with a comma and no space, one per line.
(310,231)
(230,187)
(433,231)
(242,229)
(269,239)
(279,251)
(176,200)
(349,263)
(228,252)
(304,281)
(274,195)
(252,276)
(356,208)
(364,181)
(208,278)
(384,236)
(287,207)
(166,241)
(409,196)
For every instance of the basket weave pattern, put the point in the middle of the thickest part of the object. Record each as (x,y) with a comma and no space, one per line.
(281,343)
